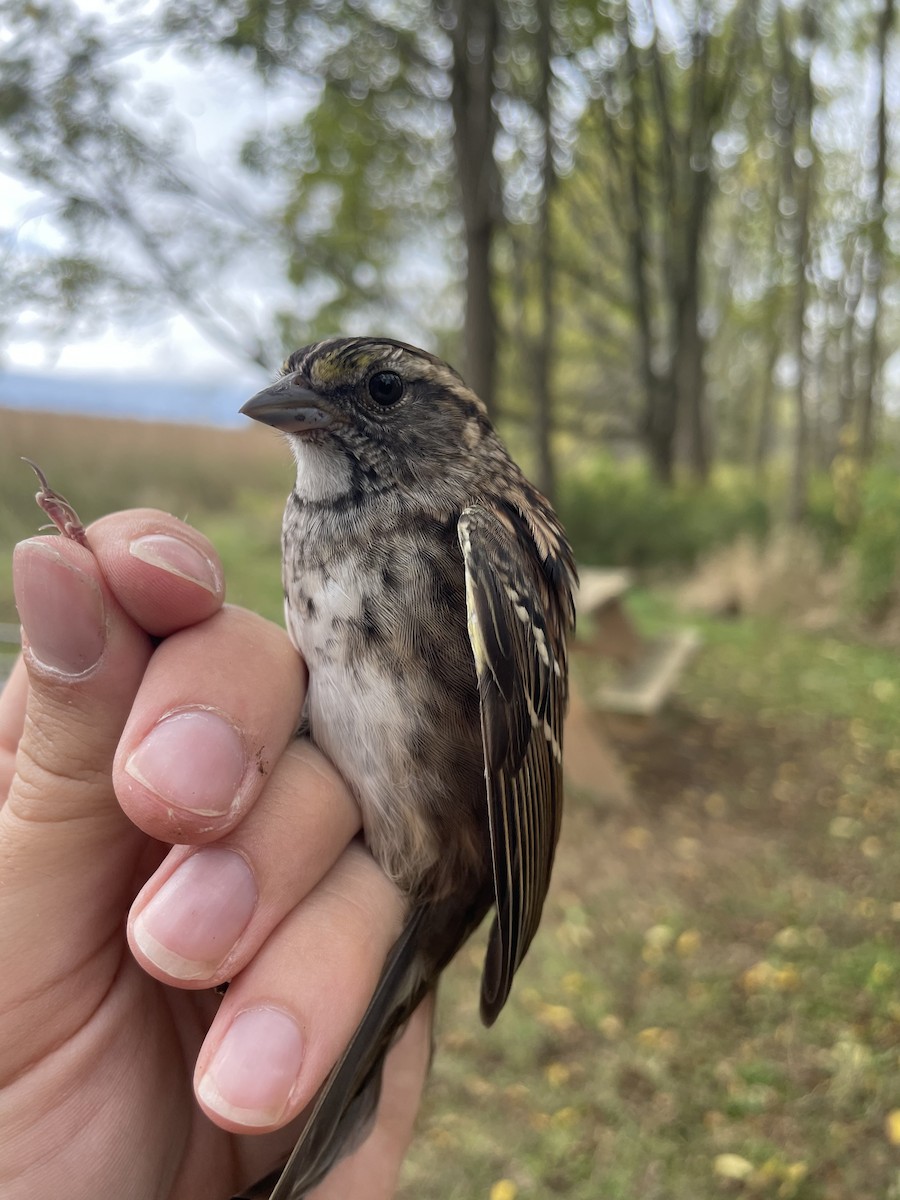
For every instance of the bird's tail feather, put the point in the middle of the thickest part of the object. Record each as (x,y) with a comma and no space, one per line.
(348,1099)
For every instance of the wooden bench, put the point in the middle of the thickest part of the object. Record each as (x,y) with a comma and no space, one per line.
(591,765)
(642,690)
(648,669)
(598,602)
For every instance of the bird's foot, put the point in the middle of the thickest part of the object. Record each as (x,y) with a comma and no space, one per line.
(57,508)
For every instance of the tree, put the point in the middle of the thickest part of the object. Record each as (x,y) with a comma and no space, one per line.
(873,269)
(473,27)
(413,86)
(663,95)
(799,186)
(133,228)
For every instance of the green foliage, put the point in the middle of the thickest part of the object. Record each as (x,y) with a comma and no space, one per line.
(824,516)
(619,514)
(876,540)
(859,510)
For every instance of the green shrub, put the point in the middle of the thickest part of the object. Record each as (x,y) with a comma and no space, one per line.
(827,518)
(876,540)
(618,514)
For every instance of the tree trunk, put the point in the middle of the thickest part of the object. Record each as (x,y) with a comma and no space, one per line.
(802,168)
(694,168)
(875,266)
(660,408)
(660,429)
(473,28)
(852,291)
(762,445)
(480,326)
(546,339)
(690,376)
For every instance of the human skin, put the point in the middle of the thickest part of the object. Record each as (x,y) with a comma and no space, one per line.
(162,832)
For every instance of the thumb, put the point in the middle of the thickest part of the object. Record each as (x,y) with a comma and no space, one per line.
(65,844)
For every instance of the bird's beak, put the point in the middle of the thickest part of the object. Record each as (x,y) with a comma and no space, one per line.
(289,407)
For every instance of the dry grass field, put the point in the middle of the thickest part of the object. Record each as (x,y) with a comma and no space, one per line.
(229,483)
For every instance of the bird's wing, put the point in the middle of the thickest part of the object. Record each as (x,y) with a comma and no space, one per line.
(519,607)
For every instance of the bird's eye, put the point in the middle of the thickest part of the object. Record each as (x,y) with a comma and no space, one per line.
(386,388)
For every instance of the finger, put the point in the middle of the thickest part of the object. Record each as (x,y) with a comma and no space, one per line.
(373,1170)
(12,722)
(84,659)
(286,1019)
(218,704)
(164,574)
(207,912)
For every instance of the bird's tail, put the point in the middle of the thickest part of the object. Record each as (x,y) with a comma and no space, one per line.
(348,1099)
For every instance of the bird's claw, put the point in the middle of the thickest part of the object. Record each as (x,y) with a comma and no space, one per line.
(57,508)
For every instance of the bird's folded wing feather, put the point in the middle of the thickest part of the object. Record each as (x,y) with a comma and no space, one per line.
(519,606)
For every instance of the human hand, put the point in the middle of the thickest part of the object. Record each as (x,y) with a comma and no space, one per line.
(160,789)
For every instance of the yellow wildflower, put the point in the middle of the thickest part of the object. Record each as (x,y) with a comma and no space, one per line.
(504,1189)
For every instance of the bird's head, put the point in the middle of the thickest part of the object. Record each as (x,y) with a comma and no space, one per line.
(373,414)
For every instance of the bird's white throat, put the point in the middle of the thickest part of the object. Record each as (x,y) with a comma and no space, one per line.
(323,473)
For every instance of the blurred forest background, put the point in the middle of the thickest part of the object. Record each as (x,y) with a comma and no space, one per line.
(661,238)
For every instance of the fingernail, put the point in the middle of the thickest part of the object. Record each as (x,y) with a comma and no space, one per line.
(195,918)
(194,760)
(252,1074)
(178,558)
(61,609)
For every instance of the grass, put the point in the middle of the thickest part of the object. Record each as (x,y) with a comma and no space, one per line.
(712,1006)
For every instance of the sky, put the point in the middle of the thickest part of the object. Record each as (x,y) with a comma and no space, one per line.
(171,346)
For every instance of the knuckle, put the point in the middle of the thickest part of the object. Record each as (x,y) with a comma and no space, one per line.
(43,772)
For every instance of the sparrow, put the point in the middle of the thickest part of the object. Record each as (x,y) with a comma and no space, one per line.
(429,588)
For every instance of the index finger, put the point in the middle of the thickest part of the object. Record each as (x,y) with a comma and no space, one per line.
(165,574)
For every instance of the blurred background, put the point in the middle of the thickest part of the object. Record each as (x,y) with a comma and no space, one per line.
(660,238)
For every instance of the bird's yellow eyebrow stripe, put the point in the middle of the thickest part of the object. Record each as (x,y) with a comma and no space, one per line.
(332,368)
(326,370)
